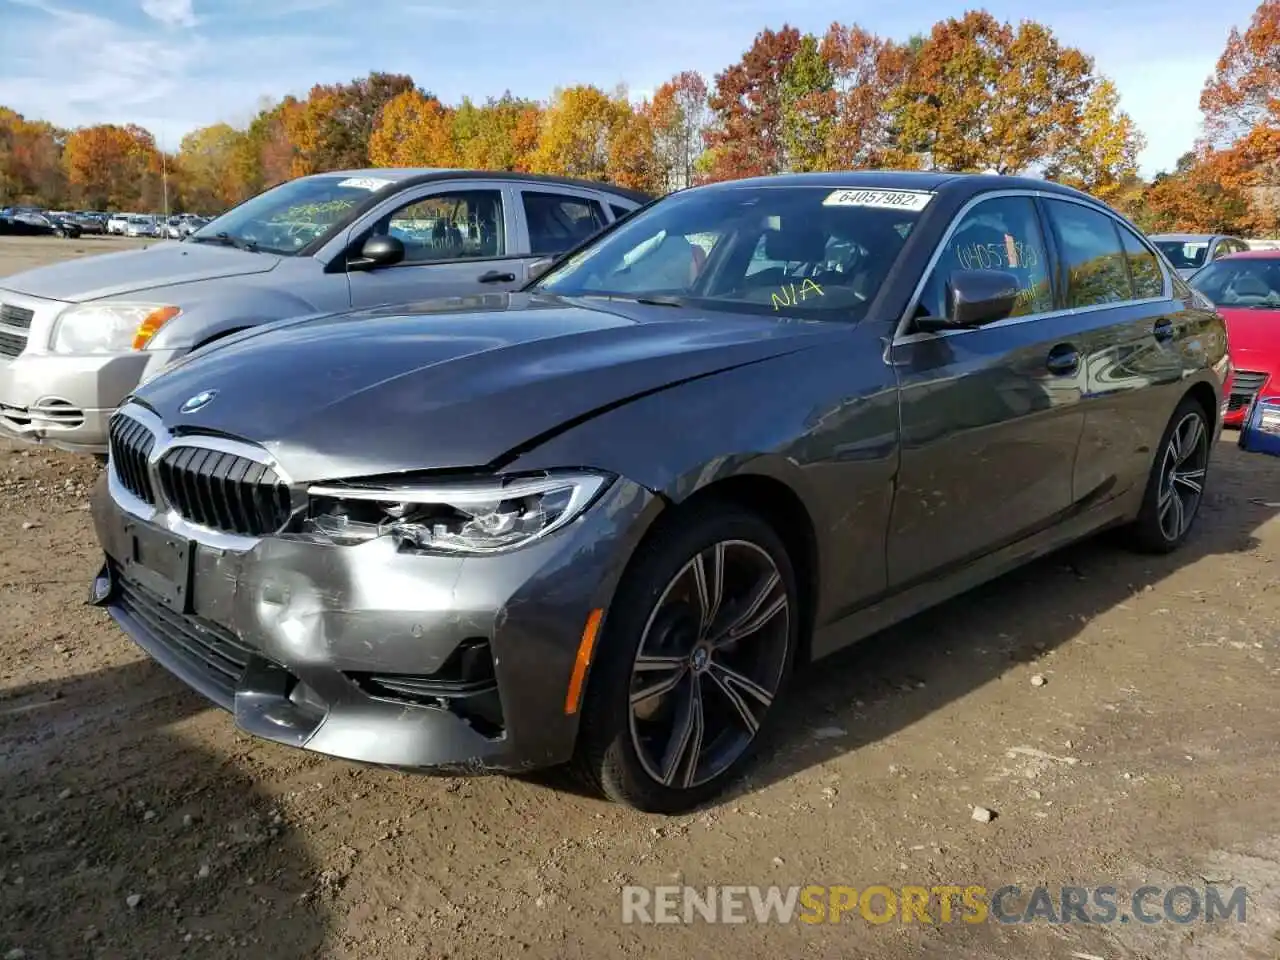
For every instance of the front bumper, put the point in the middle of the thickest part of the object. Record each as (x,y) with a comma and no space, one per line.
(66,401)
(372,655)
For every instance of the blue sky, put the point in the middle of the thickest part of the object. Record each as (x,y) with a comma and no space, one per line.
(173,65)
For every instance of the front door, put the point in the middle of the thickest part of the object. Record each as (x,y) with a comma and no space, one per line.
(991,417)
(457,243)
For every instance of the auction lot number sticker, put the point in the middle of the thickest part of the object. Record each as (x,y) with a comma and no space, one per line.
(884,199)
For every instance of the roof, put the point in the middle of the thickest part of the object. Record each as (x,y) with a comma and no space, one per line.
(1252,255)
(904,180)
(415,175)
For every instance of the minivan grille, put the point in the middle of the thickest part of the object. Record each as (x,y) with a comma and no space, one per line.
(224,491)
(131,446)
(17,317)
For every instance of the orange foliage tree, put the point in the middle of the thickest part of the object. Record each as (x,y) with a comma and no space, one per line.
(111,167)
(413,131)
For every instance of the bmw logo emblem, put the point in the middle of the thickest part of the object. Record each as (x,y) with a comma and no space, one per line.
(199,401)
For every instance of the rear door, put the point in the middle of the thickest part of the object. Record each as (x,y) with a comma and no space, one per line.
(991,417)
(1129,343)
(459,240)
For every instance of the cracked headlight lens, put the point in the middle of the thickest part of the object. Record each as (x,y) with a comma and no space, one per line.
(490,515)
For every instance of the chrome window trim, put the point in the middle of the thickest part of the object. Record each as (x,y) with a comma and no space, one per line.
(163,514)
(899,336)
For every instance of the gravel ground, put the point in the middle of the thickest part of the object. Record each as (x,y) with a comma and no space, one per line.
(1117,713)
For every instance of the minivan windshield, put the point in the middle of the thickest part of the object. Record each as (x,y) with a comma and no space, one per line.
(1245,282)
(286,218)
(814,252)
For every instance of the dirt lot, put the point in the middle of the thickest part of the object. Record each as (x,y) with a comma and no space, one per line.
(1148,756)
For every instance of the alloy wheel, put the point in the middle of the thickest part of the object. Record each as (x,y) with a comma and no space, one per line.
(709,664)
(1182,475)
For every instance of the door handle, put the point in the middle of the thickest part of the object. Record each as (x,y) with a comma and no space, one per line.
(1163,330)
(496,276)
(1063,360)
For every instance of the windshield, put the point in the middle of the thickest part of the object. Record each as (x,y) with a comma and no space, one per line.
(286,218)
(1184,254)
(1241,283)
(809,251)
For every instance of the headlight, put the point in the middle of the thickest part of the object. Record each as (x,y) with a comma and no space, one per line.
(473,517)
(110,327)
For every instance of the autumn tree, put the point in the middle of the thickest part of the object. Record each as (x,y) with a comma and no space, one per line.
(1103,158)
(206,165)
(30,160)
(808,104)
(746,137)
(413,131)
(1244,91)
(982,95)
(110,166)
(866,70)
(578,126)
(332,129)
(500,134)
(678,116)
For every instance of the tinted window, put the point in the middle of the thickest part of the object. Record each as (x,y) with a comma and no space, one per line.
(795,251)
(999,234)
(1143,267)
(459,225)
(558,222)
(1185,254)
(1247,282)
(1090,249)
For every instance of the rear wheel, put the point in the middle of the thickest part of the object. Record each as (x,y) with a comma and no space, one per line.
(697,648)
(1175,488)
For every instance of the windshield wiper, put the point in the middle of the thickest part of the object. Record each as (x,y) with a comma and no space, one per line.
(227,240)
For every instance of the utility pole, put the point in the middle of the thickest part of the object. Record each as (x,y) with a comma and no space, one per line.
(164,176)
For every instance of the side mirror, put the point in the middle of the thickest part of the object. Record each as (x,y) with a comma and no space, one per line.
(974,298)
(540,267)
(379,250)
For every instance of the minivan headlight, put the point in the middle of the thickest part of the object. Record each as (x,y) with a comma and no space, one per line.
(110,327)
(485,516)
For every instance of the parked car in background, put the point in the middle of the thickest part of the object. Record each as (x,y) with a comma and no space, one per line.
(90,223)
(1188,252)
(43,224)
(118,223)
(600,520)
(1245,290)
(142,226)
(23,226)
(94,327)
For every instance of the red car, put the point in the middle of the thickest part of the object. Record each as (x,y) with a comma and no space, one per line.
(1245,289)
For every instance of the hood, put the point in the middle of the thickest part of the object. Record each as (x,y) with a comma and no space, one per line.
(136,271)
(1253,338)
(437,387)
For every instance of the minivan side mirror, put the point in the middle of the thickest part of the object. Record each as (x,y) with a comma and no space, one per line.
(380,250)
(540,267)
(974,299)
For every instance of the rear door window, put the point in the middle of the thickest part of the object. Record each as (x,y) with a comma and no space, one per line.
(1144,268)
(558,222)
(1092,257)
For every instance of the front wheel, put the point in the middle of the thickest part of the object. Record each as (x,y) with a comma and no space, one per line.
(1175,487)
(696,649)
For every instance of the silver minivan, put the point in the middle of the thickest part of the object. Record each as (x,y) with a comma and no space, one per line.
(77,337)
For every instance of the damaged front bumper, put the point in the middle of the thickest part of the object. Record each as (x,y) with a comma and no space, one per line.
(366,653)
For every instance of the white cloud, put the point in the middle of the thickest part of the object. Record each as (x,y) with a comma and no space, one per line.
(171,13)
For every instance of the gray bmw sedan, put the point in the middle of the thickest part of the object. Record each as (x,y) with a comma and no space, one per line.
(601,521)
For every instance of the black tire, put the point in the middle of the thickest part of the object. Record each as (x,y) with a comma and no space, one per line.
(1154,530)
(711,536)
